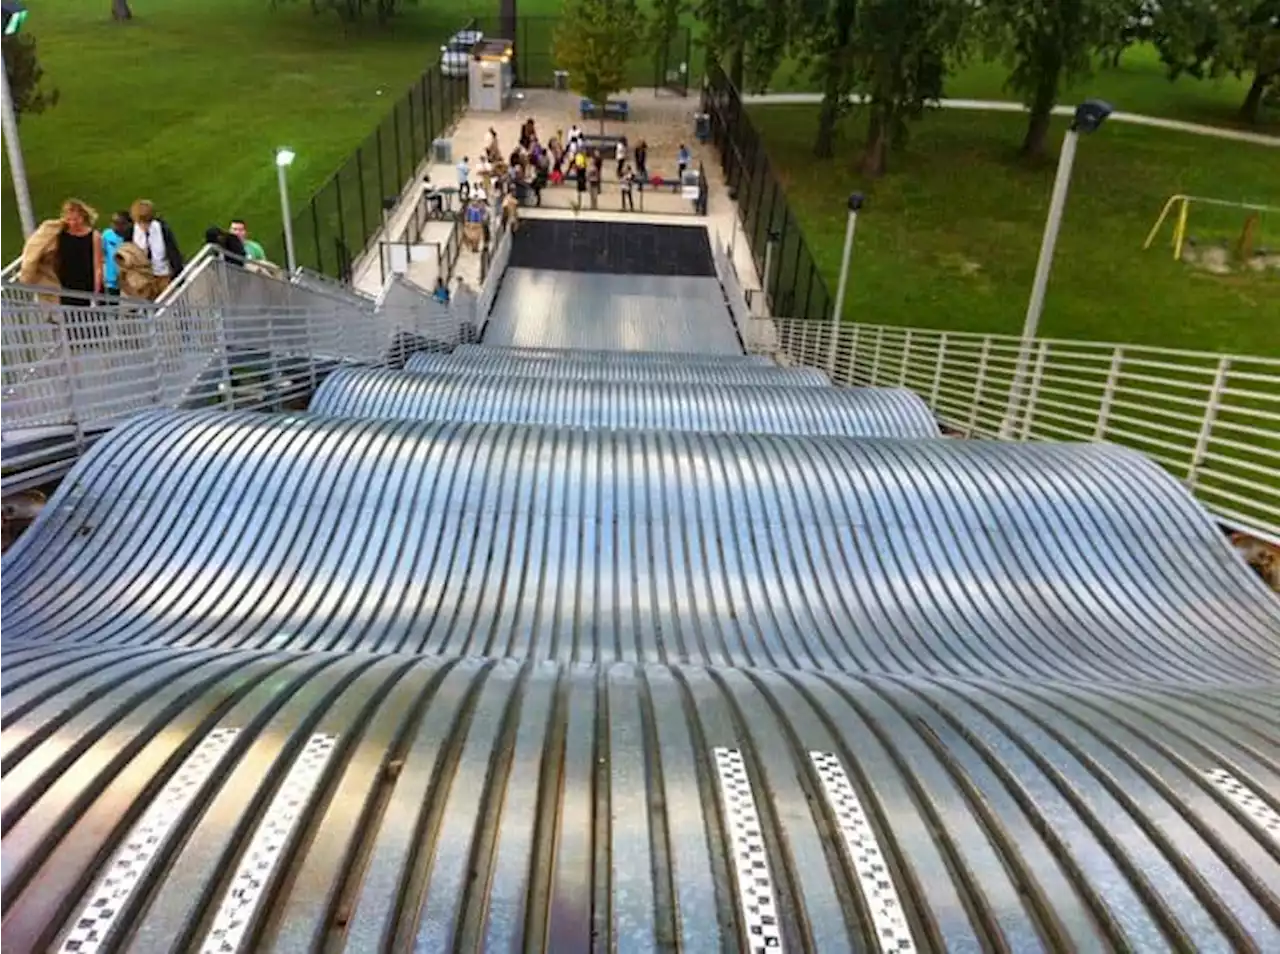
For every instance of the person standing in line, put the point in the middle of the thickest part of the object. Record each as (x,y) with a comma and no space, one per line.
(683,158)
(642,160)
(628,183)
(112,238)
(580,171)
(464,179)
(620,155)
(593,182)
(252,250)
(79,254)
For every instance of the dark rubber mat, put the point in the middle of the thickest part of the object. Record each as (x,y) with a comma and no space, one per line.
(612,248)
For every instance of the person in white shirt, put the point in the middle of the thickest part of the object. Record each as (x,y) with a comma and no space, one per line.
(575,135)
(148,235)
(464,176)
(620,154)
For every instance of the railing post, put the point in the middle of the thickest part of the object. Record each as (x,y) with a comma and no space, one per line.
(875,356)
(1033,394)
(831,355)
(1210,417)
(382,177)
(68,373)
(1108,393)
(395,121)
(315,231)
(936,390)
(852,376)
(364,210)
(906,357)
(980,379)
(342,222)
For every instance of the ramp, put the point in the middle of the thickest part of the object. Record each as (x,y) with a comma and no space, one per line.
(853,412)
(1007,561)
(559,309)
(266,801)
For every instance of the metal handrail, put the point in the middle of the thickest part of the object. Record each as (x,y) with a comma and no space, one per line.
(1212,420)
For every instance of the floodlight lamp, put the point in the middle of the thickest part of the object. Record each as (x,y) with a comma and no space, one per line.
(284,156)
(12,17)
(1090,115)
(855,201)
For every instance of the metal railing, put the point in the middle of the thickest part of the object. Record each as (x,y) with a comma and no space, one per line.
(1212,420)
(224,335)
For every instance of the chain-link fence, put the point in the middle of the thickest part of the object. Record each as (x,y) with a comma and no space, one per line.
(792,284)
(337,222)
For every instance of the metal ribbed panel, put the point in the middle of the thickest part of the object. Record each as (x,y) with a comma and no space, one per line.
(484,353)
(552,309)
(943,557)
(854,412)
(442,805)
(509,363)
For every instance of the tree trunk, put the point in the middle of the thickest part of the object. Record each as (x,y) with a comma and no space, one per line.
(1251,110)
(824,146)
(737,66)
(875,159)
(120,10)
(1035,143)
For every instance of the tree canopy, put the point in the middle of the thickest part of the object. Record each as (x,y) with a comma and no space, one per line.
(595,42)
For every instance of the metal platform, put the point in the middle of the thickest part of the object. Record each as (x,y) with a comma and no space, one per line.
(264,801)
(832,554)
(537,309)
(853,412)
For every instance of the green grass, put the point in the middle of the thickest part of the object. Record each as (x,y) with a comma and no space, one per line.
(186,104)
(949,238)
(1139,84)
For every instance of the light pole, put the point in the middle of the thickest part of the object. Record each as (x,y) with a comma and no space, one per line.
(284,159)
(856,200)
(1089,116)
(771,240)
(13,20)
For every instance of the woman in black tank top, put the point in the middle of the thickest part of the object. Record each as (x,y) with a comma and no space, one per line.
(79,254)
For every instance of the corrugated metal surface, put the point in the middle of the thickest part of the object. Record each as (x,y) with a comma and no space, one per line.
(509,362)
(259,801)
(485,353)
(942,557)
(545,309)
(854,412)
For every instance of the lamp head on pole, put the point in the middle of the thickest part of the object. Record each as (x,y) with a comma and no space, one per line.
(1090,115)
(12,17)
(855,201)
(284,157)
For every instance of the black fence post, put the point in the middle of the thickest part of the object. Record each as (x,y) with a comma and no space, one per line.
(382,178)
(342,219)
(364,206)
(426,114)
(415,153)
(395,117)
(688,59)
(315,231)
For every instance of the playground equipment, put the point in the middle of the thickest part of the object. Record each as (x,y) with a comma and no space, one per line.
(1183,204)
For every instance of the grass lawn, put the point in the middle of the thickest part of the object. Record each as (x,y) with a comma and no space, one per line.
(186,104)
(949,238)
(1138,85)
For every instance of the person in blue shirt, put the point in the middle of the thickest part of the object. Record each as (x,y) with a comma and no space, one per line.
(683,158)
(441,293)
(121,231)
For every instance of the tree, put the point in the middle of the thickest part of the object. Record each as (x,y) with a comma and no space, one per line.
(120,10)
(25,76)
(595,42)
(349,11)
(1213,38)
(900,54)
(824,38)
(748,36)
(1049,43)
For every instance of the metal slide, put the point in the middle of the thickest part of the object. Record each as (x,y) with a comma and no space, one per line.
(852,412)
(509,363)
(834,554)
(221,801)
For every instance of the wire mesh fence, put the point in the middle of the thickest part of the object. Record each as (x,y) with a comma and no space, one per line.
(338,221)
(792,284)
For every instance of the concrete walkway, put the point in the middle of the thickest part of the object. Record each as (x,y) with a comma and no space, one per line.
(1004,106)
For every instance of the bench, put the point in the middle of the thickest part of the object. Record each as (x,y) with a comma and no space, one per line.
(613,109)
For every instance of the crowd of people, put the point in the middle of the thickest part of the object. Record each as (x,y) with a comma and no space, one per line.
(136,255)
(520,177)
